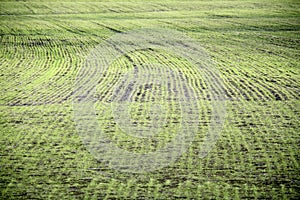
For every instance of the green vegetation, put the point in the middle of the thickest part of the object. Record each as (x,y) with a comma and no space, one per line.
(255,46)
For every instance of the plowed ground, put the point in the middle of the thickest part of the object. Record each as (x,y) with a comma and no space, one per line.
(253,44)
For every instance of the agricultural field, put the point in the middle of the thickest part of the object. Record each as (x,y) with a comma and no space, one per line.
(150,99)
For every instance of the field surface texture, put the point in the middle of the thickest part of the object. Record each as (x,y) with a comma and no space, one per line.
(149,99)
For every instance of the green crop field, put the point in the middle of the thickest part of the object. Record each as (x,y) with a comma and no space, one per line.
(249,62)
